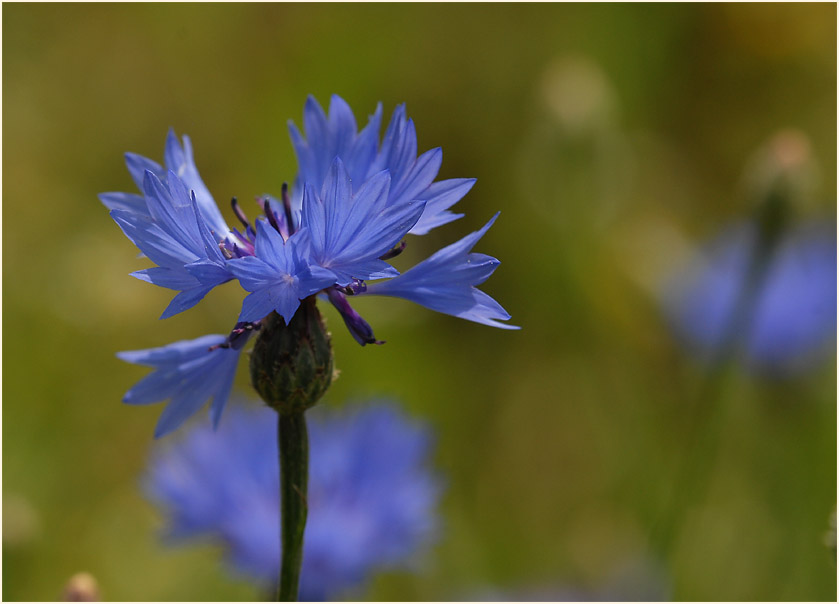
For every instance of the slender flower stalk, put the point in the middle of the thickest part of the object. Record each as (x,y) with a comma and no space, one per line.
(767,296)
(294,481)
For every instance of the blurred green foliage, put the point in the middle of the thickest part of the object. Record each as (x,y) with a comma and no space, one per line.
(610,136)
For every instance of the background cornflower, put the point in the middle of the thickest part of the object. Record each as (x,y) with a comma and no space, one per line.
(792,321)
(372,494)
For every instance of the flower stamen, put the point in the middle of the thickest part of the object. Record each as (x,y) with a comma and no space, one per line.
(271,216)
(240,214)
(239,335)
(287,207)
(359,328)
(394,251)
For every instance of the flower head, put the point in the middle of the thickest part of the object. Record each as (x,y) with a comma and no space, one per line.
(792,318)
(371,497)
(355,201)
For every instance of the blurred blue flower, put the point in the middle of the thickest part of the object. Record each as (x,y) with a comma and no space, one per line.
(371,496)
(354,203)
(792,320)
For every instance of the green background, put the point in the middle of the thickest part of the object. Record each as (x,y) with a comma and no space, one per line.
(611,137)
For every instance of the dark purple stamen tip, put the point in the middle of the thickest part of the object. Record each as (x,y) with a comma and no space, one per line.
(269,214)
(359,328)
(240,214)
(394,251)
(287,208)
(239,335)
(356,287)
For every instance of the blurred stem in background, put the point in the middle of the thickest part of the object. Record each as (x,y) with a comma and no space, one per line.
(776,182)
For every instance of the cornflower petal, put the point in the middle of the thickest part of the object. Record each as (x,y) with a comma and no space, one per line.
(416,181)
(127,202)
(174,236)
(185,300)
(188,372)
(166,277)
(363,150)
(445,282)
(208,272)
(138,166)
(350,232)
(411,176)
(180,161)
(153,241)
(170,207)
(399,146)
(259,304)
(440,196)
(278,277)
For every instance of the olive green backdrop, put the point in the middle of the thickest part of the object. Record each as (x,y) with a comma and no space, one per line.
(611,137)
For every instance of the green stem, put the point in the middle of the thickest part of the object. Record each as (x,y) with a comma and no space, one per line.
(294,478)
(708,408)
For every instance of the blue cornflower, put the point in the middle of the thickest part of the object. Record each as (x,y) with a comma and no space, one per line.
(371,495)
(354,202)
(792,319)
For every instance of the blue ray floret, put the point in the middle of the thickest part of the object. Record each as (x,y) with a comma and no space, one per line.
(446,282)
(179,160)
(188,372)
(175,237)
(278,275)
(412,177)
(354,202)
(792,320)
(371,496)
(349,232)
